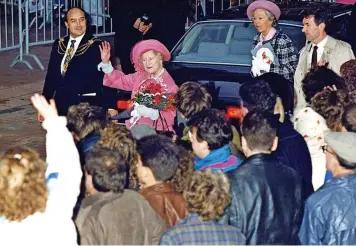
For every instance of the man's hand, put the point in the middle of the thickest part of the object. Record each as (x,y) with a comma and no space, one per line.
(105,54)
(149,27)
(45,109)
(111,113)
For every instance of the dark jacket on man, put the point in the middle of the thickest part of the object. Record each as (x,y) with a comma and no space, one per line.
(82,76)
(166,201)
(267,201)
(293,152)
(108,218)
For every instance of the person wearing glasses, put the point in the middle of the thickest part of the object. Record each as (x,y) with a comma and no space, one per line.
(330,213)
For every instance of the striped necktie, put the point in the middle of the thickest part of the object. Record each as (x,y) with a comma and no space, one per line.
(70,53)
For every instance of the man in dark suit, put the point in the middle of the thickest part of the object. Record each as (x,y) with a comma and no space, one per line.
(72,75)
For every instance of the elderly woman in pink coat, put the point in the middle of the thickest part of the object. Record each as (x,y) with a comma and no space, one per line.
(147,57)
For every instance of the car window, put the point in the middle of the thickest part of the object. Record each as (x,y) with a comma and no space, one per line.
(224,42)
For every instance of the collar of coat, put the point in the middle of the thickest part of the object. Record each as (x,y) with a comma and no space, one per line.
(85,43)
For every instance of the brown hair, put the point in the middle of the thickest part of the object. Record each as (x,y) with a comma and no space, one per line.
(331,105)
(208,194)
(348,72)
(349,118)
(185,170)
(191,98)
(84,119)
(23,190)
(119,138)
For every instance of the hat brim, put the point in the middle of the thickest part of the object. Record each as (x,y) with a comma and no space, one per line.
(264,4)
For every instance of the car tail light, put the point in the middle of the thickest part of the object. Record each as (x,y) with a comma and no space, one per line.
(233,112)
(124,104)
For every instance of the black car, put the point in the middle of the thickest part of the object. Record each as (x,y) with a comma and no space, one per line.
(217,50)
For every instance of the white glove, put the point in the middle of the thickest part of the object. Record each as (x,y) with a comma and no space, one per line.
(259,67)
(143,111)
(106,68)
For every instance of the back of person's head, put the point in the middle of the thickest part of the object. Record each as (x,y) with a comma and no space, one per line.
(349,118)
(185,170)
(317,79)
(23,190)
(348,72)
(212,127)
(282,88)
(84,119)
(208,194)
(108,169)
(258,95)
(191,98)
(120,139)
(160,154)
(331,105)
(259,130)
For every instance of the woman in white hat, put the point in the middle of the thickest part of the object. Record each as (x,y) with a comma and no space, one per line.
(264,15)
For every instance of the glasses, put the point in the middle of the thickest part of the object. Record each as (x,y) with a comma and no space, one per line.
(325,149)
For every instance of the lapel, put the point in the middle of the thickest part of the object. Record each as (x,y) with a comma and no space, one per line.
(329,46)
(304,58)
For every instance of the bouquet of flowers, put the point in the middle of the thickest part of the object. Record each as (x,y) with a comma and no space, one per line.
(150,100)
(152,96)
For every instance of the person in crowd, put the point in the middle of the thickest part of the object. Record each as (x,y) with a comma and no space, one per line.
(111,214)
(192,98)
(331,104)
(322,50)
(207,196)
(185,170)
(158,160)
(132,21)
(266,195)
(292,149)
(85,122)
(348,72)
(264,15)
(284,92)
(72,75)
(34,195)
(148,57)
(120,139)
(330,213)
(210,135)
(349,118)
(310,123)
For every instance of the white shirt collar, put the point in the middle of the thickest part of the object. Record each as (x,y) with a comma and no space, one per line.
(77,39)
(322,43)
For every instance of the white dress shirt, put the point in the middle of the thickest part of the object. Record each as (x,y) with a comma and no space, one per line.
(320,50)
(76,44)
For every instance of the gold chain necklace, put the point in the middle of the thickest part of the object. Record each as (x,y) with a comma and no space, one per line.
(80,50)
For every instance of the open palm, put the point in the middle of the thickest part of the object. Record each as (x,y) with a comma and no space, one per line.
(105,49)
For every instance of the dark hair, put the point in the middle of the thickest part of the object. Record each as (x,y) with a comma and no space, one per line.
(346,164)
(317,79)
(191,98)
(211,127)
(331,105)
(282,88)
(349,118)
(108,169)
(160,154)
(320,14)
(259,128)
(83,119)
(258,95)
(86,15)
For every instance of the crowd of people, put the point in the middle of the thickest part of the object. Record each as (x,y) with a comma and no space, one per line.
(286,174)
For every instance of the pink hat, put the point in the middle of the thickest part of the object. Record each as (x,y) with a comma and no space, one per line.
(147,45)
(264,4)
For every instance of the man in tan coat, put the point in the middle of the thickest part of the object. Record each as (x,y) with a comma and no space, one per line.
(112,215)
(321,50)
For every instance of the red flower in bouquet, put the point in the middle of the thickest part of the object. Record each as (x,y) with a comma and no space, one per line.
(151,94)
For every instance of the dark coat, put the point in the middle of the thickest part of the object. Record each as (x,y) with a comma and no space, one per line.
(267,201)
(81,77)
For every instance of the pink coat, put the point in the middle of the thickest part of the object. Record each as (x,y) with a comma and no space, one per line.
(131,82)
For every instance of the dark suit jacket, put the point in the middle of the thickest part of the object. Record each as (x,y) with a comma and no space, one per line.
(82,76)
